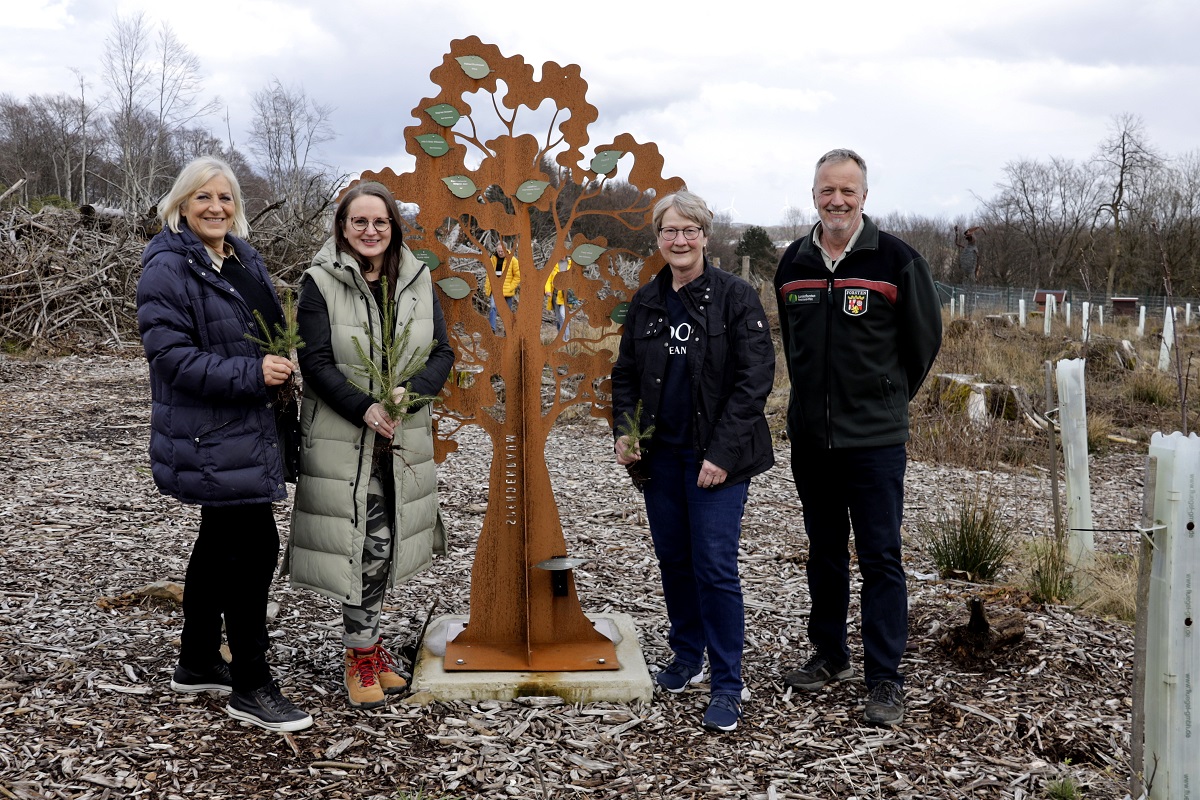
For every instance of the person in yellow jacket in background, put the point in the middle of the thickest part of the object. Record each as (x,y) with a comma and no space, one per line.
(557,301)
(512,279)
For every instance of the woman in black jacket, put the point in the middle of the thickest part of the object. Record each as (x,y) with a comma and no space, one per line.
(696,352)
(213,435)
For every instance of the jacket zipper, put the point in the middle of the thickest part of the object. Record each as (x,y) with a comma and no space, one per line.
(211,431)
(829,367)
(367,439)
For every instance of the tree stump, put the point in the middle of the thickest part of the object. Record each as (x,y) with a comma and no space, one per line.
(981,639)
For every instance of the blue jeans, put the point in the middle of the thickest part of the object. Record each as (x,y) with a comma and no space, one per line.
(861,487)
(512,306)
(560,317)
(696,534)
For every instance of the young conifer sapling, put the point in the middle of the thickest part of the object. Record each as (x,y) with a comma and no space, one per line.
(284,341)
(396,367)
(632,431)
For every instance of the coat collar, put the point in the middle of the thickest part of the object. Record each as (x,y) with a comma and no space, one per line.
(344,267)
(188,244)
(868,239)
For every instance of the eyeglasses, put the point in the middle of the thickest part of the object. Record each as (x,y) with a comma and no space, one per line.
(360,224)
(690,233)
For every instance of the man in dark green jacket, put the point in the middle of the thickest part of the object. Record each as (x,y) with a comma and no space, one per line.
(861,325)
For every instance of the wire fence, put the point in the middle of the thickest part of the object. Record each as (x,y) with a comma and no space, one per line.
(1006,300)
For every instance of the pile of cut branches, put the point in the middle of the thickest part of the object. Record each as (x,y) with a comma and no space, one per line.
(67,280)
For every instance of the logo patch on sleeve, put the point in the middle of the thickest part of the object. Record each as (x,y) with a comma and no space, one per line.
(856,302)
(798,297)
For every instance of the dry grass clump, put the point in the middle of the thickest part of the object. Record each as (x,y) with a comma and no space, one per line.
(997,355)
(1106,587)
(1151,387)
(942,435)
(1112,587)
(1047,570)
(1130,402)
(1064,788)
(1100,427)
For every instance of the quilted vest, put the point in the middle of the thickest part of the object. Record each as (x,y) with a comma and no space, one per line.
(329,515)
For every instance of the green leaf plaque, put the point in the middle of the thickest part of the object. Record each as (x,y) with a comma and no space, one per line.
(605,161)
(460,186)
(530,191)
(443,114)
(433,144)
(587,254)
(474,66)
(455,288)
(620,313)
(429,257)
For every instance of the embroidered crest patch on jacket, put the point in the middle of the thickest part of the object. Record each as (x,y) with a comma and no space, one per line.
(856,302)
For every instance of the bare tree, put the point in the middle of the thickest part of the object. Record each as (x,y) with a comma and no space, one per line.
(1128,163)
(62,124)
(1176,212)
(287,130)
(1045,212)
(723,242)
(795,222)
(296,187)
(155,95)
(21,154)
(88,135)
(932,238)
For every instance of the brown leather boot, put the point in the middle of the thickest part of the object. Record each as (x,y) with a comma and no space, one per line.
(391,681)
(362,684)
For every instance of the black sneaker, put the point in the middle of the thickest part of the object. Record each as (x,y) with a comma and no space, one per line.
(817,672)
(885,704)
(267,708)
(214,679)
(678,676)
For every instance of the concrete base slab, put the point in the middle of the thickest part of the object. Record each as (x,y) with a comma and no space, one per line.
(625,685)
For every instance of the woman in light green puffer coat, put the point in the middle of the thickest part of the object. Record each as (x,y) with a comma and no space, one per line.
(366,514)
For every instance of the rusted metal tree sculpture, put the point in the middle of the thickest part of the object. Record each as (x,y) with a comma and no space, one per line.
(481,176)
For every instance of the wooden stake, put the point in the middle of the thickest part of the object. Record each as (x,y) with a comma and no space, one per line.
(1137,737)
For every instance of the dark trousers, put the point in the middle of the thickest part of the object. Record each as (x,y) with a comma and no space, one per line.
(696,533)
(863,488)
(230,574)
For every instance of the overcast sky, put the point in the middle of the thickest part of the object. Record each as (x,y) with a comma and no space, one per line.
(741,97)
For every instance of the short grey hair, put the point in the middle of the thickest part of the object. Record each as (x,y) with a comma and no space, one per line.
(689,205)
(192,177)
(837,157)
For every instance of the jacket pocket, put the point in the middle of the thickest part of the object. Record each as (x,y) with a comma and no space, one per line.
(891,398)
(210,429)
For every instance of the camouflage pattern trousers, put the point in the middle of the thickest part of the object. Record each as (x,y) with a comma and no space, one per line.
(361,622)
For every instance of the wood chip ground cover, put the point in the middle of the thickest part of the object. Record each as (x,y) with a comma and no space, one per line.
(86,710)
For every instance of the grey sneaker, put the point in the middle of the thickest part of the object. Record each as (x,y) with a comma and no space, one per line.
(816,672)
(885,704)
(267,708)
